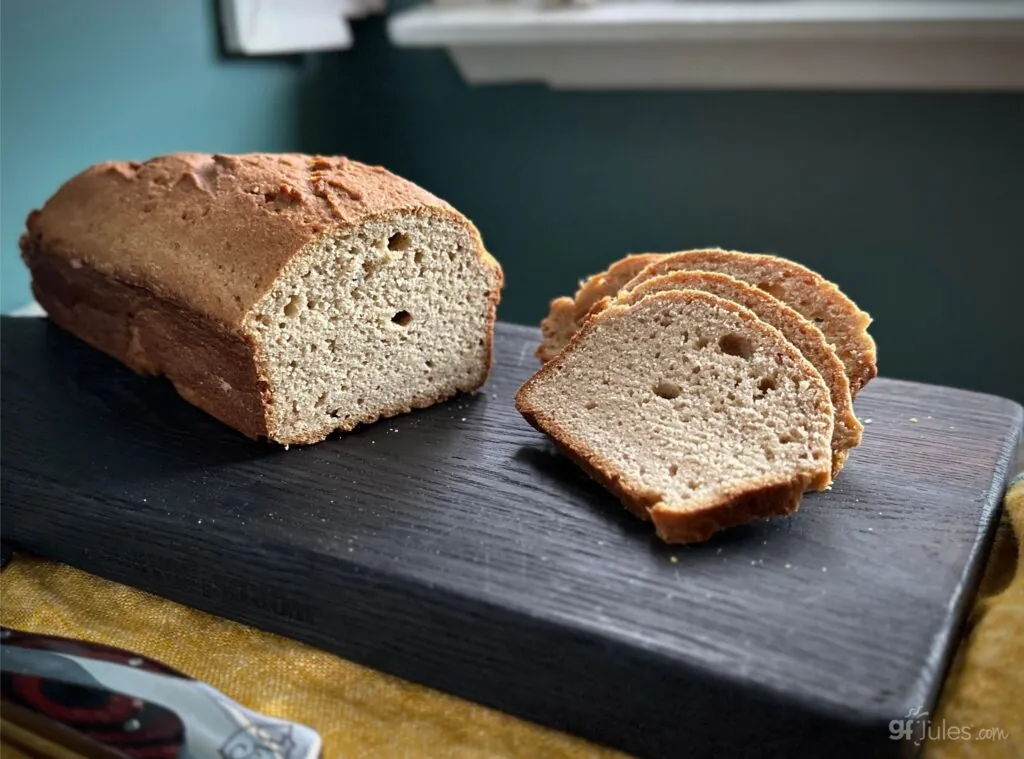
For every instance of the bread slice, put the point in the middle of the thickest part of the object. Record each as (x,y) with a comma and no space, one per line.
(815,298)
(804,336)
(690,409)
(287,295)
(567,314)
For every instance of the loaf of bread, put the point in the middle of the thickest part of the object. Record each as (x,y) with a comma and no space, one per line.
(690,409)
(801,333)
(287,295)
(806,292)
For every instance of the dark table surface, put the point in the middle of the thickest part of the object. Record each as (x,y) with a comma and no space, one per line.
(455,547)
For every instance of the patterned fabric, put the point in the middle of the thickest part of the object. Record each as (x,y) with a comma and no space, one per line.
(363,713)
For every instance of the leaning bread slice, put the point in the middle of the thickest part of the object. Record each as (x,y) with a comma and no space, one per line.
(567,314)
(690,409)
(807,338)
(840,320)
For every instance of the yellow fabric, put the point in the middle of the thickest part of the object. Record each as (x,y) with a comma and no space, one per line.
(357,711)
(985,685)
(363,713)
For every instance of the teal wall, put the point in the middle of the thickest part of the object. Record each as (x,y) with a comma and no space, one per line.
(92,81)
(913,202)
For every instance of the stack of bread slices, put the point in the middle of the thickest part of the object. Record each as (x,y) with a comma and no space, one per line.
(706,388)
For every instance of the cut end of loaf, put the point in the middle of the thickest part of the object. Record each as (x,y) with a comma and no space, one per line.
(687,406)
(395,314)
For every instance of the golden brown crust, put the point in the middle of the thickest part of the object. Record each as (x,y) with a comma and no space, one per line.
(766,499)
(795,285)
(754,500)
(209,366)
(806,337)
(157,264)
(567,314)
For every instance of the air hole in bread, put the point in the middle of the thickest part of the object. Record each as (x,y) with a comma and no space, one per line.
(322,399)
(736,345)
(402,318)
(291,308)
(772,289)
(769,454)
(702,341)
(792,436)
(667,390)
(673,470)
(590,405)
(418,256)
(399,241)
(766,384)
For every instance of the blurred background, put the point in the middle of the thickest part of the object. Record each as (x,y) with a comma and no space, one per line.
(898,175)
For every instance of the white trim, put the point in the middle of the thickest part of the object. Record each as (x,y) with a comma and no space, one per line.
(936,44)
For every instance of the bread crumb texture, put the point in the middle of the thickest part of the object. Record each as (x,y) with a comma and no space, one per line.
(800,332)
(808,293)
(693,411)
(392,315)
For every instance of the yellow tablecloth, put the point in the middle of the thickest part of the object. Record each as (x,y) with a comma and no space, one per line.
(363,713)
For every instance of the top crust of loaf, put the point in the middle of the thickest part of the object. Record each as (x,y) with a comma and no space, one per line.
(213,232)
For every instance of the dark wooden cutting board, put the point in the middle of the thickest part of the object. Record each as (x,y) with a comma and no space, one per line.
(455,547)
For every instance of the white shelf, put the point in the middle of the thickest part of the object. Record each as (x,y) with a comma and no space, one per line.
(881,45)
